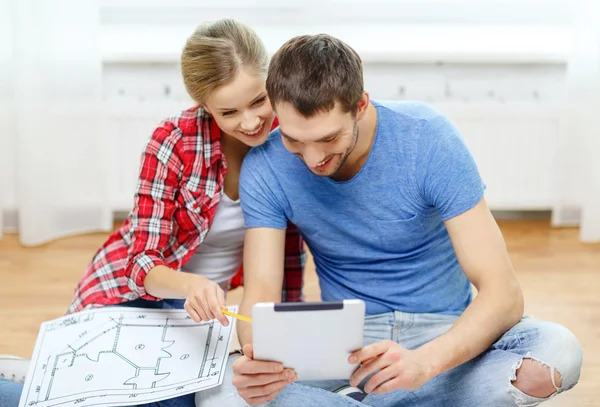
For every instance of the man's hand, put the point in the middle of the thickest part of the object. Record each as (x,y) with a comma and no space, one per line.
(397,367)
(257,381)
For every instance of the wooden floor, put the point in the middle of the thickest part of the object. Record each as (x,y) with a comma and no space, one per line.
(559,275)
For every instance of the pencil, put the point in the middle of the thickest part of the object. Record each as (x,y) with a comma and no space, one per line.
(238,316)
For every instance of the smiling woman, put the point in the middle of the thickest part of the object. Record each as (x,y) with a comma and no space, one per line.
(182,243)
(242,108)
(226,76)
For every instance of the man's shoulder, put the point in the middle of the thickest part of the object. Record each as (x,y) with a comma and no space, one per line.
(419,121)
(409,109)
(264,155)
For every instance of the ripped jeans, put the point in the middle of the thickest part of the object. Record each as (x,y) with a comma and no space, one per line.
(483,381)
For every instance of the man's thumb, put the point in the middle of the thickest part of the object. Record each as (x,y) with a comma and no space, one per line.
(248,351)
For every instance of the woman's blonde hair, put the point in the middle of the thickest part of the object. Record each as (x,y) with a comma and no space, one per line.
(214,54)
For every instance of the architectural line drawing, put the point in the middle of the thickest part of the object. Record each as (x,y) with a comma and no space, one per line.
(122,356)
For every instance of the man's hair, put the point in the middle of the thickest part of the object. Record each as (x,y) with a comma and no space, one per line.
(313,72)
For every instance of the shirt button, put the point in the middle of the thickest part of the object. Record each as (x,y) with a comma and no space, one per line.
(196,205)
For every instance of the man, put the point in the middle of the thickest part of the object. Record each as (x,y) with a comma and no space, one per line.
(392,207)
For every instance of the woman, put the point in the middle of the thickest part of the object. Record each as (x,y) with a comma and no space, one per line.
(186,215)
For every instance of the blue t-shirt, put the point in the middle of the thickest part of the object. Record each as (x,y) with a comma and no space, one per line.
(380,236)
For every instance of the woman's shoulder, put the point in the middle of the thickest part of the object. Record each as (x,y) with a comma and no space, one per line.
(185,127)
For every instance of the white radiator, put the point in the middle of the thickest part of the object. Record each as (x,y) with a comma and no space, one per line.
(508,114)
(513,145)
(131,126)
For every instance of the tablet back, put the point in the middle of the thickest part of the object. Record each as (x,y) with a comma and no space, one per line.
(315,339)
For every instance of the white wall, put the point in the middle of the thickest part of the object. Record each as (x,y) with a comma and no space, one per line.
(496,67)
(7,136)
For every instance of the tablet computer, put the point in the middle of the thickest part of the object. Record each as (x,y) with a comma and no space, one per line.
(313,338)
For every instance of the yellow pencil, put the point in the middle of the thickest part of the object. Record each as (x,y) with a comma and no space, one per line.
(238,316)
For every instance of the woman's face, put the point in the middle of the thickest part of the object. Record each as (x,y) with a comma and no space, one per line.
(242,108)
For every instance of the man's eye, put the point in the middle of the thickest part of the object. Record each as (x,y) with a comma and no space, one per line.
(229,113)
(330,140)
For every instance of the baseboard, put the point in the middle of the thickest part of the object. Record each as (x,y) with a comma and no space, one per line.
(120,216)
(566,216)
(522,215)
(10,221)
(11,218)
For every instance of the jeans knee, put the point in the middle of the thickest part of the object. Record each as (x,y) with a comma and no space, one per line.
(535,379)
(571,356)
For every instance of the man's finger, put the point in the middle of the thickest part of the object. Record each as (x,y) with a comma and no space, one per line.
(259,366)
(376,382)
(248,350)
(366,369)
(263,379)
(391,385)
(264,390)
(276,387)
(370,351)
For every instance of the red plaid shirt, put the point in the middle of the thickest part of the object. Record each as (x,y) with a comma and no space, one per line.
(181,178)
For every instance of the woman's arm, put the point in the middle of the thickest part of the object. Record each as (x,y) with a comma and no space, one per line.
(154,206)
(204,298)
(294,262)
(152,223)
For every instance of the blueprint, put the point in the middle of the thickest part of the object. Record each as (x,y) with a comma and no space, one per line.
(119,356)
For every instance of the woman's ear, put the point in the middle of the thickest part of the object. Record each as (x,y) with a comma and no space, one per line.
(204,107)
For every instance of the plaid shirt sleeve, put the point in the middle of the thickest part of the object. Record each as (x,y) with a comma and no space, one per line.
(154,205)
(294,262)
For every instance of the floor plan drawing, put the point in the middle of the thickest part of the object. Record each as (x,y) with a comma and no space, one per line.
(121,356)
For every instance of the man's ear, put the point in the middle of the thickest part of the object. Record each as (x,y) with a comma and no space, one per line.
(363,105)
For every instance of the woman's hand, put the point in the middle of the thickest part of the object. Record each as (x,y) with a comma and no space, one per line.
(204,300)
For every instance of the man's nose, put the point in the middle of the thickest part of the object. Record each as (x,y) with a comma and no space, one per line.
(313,157)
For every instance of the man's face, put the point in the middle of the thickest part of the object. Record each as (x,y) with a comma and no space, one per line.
(323,141)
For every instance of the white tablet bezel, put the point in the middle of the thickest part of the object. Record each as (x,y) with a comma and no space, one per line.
(314,338)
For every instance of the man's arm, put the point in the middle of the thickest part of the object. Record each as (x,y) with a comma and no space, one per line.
(265,219)
(263,272)
(260,381)
(498,306)
(482,253)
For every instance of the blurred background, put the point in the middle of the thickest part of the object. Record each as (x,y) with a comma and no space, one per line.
(83,83)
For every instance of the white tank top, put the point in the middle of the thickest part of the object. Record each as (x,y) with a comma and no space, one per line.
(219,256)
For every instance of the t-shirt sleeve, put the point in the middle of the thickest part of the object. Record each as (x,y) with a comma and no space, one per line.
(447,175)
(260,194)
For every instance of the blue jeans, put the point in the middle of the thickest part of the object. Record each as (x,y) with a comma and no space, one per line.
(483,381)
(10,392)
